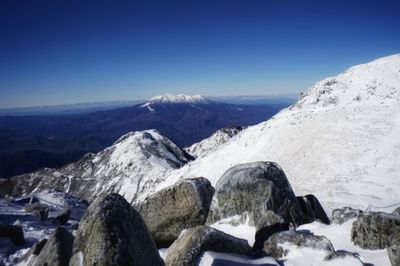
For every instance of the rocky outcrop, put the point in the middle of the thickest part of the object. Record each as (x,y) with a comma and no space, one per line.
(263,234)
(273,246)
(39,209)
(194,241)
(111,232)
(12,232)
(394,249)
(173,209)
(57,250)
(372,230)
(255,188)
(312,209)
(344,214)
(396,211)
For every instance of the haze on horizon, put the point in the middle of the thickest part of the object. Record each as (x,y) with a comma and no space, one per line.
(62,52)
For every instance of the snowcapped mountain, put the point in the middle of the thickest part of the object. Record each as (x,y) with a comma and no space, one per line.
(211,143)
(132,166)
(340,141)
(174,99)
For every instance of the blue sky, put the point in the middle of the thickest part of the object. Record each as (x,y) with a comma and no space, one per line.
(59,52)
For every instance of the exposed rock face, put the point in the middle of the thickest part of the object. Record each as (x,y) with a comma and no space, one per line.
(254,188)
(312,209)
(194,241)
(263,234)
(169,211)
(372,230)
(394,249)
(273,245)
(13,232)
(111,232)
(344,214)
(57,250)
(39,209)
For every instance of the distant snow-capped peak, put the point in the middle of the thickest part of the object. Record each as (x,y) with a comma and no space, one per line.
(173,99)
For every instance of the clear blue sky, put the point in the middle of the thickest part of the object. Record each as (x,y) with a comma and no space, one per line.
(57,52)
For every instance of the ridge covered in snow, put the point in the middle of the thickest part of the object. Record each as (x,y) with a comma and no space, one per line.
(174,99)
(340,141)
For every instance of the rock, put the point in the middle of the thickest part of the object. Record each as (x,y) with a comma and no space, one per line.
(372,230)
(343,254)
(344,214)
(396,211)
(13,232)
(39,209)
(29,257)
(394,249)
(173,209)
(196,240)
(255,188)
(263,234)
(112,232)
(57,250)
(63,218)
(312,209)
(273,246)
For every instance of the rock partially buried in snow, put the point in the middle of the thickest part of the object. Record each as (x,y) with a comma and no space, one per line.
(39,209)
(57,250)
(194,241)
(12,232)
(344,214)
(173,209)
(372,230)
(312,209)
(264,233)
(254,188)
(111,232)
(274,246)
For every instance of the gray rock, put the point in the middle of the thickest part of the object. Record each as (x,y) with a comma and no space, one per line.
(312,209)
(343,254)
(372,230)
(57,250)
(255,188)
(194,241)
(396,211)
(273,245)
(12,232)
(394,249)
(171,210)
(263,234)
(112,232)
(344,214)
(63,218)
(39,209)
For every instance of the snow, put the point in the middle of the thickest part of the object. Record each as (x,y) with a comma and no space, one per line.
(339,141)
(173,99)
(215,258)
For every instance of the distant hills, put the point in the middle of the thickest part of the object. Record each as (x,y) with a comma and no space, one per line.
(28,143)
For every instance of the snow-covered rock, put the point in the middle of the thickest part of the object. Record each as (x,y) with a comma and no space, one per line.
(209,144)
(340,141)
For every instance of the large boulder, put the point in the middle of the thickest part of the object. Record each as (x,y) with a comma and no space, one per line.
(173,209)
(394,249)
(12,232)
(56,251)
(254,189)
(312,209)
(344,214)
(274,245)
(372,230)
(41,210)
(112,232)
(196,240)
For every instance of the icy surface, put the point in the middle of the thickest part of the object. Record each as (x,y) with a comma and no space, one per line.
(340,141)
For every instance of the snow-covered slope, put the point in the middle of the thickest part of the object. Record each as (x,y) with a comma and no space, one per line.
(340,141)
(211,143)
(132,167)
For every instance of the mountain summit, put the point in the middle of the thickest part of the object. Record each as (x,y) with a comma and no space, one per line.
(179,98)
